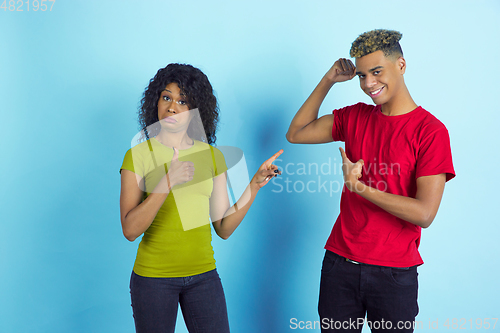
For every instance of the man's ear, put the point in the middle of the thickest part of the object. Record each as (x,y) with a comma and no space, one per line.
(401,64)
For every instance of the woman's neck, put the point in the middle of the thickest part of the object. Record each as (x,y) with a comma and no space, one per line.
(178,140)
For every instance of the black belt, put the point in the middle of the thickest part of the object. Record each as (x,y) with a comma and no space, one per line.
(360,263)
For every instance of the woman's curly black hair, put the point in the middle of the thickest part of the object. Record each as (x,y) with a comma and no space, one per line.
(199,94)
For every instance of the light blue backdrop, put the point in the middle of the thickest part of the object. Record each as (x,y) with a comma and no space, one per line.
(70,83)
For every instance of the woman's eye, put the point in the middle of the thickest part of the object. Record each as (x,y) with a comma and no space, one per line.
(181,102)
(166,98)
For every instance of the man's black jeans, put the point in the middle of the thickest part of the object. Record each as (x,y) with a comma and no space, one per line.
(348,292)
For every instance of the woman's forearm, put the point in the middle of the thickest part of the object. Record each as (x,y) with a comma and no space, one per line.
(235,214)
(138,220)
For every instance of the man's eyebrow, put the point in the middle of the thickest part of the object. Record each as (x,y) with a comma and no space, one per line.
(375,68)
(371,70)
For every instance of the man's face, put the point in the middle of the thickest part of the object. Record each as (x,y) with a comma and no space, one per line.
(380,77)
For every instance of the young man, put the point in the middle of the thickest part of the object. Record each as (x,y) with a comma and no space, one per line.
(396,161)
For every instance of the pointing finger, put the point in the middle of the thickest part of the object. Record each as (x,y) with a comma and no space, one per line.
(342,153)
(272,158)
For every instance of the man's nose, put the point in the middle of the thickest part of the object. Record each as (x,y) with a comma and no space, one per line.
(370,81)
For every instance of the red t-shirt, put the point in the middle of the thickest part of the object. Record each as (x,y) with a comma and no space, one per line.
(396,151)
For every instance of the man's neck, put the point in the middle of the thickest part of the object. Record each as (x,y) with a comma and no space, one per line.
(402,103)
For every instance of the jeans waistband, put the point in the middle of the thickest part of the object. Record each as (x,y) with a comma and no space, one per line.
(361,263)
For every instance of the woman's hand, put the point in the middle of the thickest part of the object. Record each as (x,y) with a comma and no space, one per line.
(266,172)
(179,172)
(225,221)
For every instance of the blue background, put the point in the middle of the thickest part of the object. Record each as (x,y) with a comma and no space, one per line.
(70,84)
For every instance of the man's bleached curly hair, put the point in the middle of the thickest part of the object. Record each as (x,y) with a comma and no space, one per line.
(380,39)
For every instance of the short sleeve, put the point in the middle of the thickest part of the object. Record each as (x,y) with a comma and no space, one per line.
(341,120)
(434,155)
(128,163)
(219,161)
(132,162)
(338,124)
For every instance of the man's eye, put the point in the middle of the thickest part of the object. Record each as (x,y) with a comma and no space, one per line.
(376,72)
(361,76)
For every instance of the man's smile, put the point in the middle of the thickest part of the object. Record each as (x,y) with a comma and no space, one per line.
(377,92)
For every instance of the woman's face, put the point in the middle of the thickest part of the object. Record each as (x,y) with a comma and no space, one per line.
(173,110)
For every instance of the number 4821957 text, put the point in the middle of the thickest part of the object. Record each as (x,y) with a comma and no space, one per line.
(33,5)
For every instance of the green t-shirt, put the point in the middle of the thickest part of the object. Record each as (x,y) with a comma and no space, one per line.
(178,241)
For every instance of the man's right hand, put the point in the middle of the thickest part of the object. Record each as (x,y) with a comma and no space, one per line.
(306,127)
(342,70)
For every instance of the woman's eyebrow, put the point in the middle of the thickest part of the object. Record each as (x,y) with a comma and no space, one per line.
(181,94)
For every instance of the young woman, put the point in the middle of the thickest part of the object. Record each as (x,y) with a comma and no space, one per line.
(171,184)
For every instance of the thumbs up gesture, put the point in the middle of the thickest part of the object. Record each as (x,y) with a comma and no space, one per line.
(180,171)
(352,171)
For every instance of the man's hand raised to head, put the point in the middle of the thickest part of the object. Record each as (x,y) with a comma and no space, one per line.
(306,127)
(342,70)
